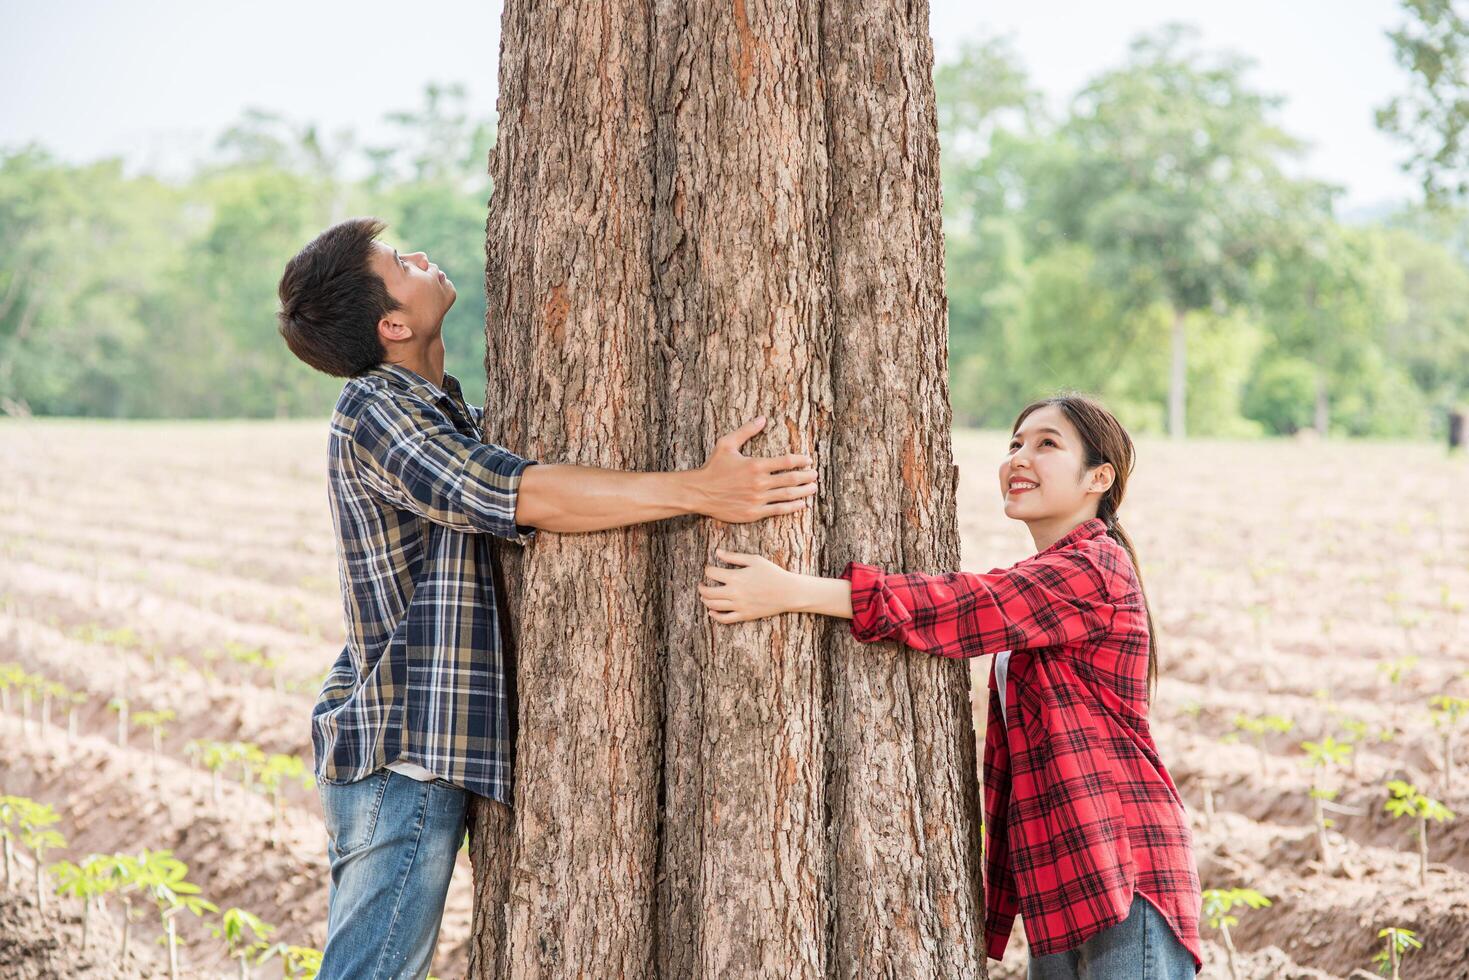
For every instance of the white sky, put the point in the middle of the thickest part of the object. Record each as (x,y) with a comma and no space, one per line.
(155,81)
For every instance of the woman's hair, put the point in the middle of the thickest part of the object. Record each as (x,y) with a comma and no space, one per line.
(1106,441)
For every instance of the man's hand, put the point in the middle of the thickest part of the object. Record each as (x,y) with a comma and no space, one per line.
(739,489)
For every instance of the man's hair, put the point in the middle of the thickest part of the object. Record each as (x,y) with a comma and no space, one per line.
(331,300)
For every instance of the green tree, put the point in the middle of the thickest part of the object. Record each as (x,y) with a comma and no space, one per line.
(1432,45)
(1176,184)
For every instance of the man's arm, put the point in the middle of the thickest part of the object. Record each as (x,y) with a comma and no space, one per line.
(729,487)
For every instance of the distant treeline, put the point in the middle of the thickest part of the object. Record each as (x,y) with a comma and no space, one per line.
(1080,250)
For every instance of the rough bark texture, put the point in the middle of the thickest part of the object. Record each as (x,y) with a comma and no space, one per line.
(705,212)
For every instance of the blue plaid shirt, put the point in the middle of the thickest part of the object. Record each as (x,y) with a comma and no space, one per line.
(415,494)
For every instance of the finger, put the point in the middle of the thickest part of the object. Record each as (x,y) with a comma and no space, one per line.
(793,478)
(720,605)
(789,493)
(735,557)
(717,574)
(774,464)
(734,440)
(723,617)
(775,510)
(712,592)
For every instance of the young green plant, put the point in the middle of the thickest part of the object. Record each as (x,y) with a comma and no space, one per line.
(233,926)
(1400,942)
(1448,712)
(1323,757)
(1404,800)
(1219,906)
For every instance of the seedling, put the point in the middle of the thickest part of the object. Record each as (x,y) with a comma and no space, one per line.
(121,872)
(213,756)
(249,756)
(1406,801)
(36,833)
(1400,942)
(88,881)
(232,928)
(297,961)
(1258,728)
(1322,757)
(11,675)
(276,770)
(10,810)
(160,876)
(74,700)
(1219,906)
(1354,731)
(1448,711)
(49,690)
(1397,671)
(120,705)
(155,722)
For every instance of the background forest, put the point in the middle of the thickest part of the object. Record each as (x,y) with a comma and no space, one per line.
(1166,197)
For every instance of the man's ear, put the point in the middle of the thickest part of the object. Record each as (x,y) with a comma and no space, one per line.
(394,331)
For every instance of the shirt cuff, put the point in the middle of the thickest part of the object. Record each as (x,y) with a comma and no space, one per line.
(869,614)
(524,533)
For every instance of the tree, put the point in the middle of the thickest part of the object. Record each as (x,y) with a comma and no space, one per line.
(1328,291)
(1175,185)
(702,214)
(1432,45)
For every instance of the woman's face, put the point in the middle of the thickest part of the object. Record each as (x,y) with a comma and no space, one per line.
(1043,474)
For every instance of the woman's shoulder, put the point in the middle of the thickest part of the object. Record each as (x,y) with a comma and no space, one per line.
(1114,564)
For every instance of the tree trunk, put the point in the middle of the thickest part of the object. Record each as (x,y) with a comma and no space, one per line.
(1323,404)
(1178,378)
(703,213)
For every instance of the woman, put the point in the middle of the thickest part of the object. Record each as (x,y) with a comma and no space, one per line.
(1087,836)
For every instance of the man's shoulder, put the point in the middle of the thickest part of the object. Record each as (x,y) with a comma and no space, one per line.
(372,394)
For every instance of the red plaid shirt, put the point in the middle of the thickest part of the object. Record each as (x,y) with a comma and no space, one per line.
(1079,810)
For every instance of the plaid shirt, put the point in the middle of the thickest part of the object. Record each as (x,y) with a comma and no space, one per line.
(415,495)
(1079,810)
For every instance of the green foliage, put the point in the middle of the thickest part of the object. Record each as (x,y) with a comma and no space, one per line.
(1432,45)
(1399,943)
(1220,903)
(1326,753)
(1071,241)
(244,934)
(1406,801)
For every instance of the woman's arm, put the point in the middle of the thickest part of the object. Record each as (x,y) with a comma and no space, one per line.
(757,588)
(1053,599)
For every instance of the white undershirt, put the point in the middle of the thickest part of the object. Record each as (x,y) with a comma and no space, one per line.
(1002,670)
(412,771)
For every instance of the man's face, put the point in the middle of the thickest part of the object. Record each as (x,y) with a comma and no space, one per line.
(423,292)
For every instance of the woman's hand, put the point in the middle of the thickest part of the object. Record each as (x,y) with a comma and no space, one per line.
(754,590)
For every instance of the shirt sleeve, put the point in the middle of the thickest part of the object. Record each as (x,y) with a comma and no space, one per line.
(1054,599)
(411,456)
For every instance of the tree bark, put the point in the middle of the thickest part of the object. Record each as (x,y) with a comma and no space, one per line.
(1178,378)
(703,213)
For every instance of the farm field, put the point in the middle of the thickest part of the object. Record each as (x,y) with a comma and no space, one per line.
(1310,598)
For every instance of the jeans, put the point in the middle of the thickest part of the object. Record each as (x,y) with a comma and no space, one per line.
(391,841)
(1140,947)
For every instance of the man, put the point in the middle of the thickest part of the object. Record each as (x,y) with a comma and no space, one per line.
(416,712)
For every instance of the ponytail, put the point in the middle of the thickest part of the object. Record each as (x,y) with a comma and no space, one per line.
(1114,529)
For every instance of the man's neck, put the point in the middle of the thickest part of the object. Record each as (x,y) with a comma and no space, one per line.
(427,363)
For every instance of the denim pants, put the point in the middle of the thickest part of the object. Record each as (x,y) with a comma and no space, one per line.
(391,841)
(1140,947)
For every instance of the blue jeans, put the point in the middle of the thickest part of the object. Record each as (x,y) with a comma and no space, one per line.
(1140,947)
(391,841)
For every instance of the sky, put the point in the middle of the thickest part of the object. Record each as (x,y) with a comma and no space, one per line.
(154,81)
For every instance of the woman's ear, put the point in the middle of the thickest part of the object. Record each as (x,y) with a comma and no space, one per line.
(1102,478)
